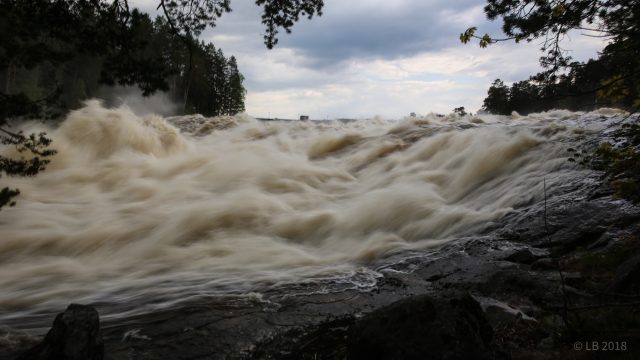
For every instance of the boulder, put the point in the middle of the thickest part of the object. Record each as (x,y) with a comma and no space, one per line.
(523,256)
(75,335)
(423,327)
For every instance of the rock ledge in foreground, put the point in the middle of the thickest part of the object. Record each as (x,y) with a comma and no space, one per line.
(424,326)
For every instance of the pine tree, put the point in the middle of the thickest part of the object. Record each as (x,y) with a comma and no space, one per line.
(220,74)
(497,100)
(236,89)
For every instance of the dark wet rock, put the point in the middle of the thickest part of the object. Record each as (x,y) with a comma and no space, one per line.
(602,241)
(568,224)
(443,327)
(392,281)
(536,287)
(497,311)
(627,277)
(600,192)
(586,235)
(544,264)
(523,256)
(14,343)
(75,335)
(325,341)
(524,339)
(508,234)
(461,270)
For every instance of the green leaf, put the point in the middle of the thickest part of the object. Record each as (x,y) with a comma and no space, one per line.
(486,40)
(468,34)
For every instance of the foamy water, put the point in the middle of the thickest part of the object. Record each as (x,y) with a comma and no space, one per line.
(131,210)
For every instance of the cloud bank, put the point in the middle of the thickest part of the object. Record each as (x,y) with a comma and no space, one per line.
(364,58)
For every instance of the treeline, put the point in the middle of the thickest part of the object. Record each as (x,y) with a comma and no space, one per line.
(149,54)
(215,86)
(570,91)
(612,80)
(54,53)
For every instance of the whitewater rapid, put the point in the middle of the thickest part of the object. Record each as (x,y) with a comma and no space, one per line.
(146,210)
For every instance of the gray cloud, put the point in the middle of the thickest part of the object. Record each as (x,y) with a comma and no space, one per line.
(348,31)
(364,29)
(366,57)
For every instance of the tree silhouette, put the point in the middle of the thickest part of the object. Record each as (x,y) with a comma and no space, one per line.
(615,20)
(51,35)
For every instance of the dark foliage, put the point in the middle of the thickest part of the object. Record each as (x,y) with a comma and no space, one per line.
(191,17)
(37,146)
(284,13)
(497,100)
(215,87)
(149,55)
(552,20)
(460,111)
(54,54)
(573,90)
(611,79)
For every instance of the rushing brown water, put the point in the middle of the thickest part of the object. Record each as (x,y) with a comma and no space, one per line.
(132,209)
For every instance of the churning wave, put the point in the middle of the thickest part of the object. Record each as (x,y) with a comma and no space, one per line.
(161,209)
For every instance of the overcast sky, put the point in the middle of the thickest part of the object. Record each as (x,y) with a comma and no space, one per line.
(366,58)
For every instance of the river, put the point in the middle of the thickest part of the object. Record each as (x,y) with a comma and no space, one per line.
(139,213)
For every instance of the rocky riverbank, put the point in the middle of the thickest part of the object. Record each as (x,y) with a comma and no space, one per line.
(550,281)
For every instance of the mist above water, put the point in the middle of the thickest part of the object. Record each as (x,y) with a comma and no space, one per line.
(133,209)
(131,97)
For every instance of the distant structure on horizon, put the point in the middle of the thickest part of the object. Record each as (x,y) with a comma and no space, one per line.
(306,118)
